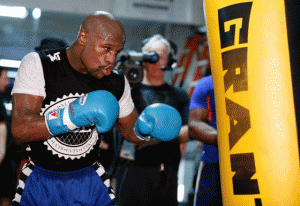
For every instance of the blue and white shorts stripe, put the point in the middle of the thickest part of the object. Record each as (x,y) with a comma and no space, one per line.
(87,186)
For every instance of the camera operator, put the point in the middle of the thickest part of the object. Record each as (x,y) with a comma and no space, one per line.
(149,176)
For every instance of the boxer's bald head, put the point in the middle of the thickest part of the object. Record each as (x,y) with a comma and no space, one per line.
(100,38)
(104,24)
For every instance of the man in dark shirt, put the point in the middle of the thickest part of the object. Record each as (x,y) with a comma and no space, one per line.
(151,178)
(6,173)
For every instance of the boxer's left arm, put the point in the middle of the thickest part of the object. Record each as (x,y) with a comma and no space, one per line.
(183,136)
(159,121)
(125,126)
(127,115)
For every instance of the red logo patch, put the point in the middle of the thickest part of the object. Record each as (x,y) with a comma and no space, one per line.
(53,115)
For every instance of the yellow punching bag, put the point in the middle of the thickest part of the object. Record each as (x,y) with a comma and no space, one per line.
(255,106)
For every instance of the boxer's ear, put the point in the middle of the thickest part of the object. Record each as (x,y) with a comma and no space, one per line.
(82,37)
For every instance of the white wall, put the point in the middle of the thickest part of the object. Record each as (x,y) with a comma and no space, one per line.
(18,37)
(66,6)
(172,11)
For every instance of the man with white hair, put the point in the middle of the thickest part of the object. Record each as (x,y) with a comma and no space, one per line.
(151,178)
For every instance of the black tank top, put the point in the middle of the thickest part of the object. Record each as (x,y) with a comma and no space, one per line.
(63,84)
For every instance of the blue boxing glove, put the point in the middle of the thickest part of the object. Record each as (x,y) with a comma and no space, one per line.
(159,121)
(99,108)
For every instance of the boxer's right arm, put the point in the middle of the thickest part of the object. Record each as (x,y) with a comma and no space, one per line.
(27,97)
(99,108)
(27,124)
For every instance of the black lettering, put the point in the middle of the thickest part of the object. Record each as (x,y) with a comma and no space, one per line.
(235,62)
(241,116)
(233,28)
(258,202)
(244,166)
(228,13)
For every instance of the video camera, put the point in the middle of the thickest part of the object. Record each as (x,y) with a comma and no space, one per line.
(131,64)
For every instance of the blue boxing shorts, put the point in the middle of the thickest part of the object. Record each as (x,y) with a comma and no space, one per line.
(87,186)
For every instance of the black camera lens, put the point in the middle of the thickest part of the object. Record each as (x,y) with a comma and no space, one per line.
(134,75)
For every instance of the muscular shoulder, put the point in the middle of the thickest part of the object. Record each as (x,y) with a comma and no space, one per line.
(31,58)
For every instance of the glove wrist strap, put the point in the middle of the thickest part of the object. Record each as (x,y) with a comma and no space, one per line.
(55,124)
(67,121)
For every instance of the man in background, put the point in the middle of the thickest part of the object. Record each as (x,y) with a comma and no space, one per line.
(149,178)
(7,175)
(203,127)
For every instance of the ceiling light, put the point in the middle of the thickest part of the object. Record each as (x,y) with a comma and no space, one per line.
(13,11)
(36,13)
(10,63)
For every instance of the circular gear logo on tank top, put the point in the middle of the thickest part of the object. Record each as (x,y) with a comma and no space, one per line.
(74,144)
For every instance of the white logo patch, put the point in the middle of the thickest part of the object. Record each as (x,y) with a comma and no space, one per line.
(54,57)
(74,144)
